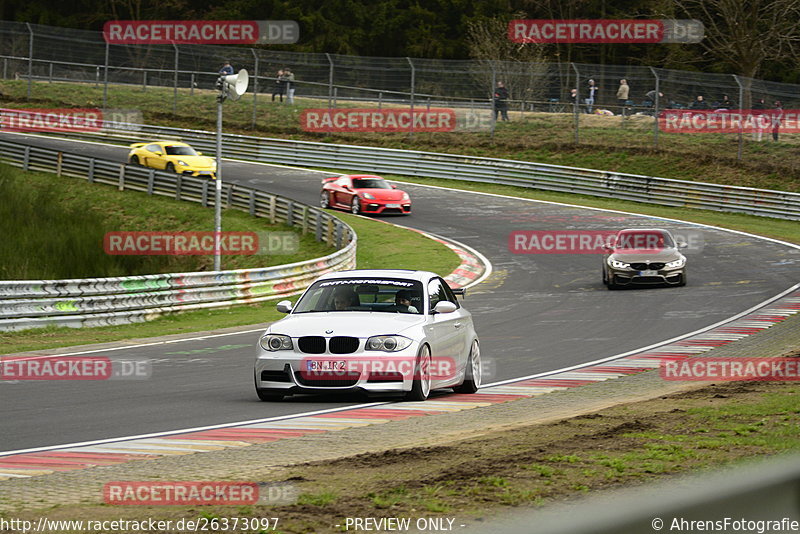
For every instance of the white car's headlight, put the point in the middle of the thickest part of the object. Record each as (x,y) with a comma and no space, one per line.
(618,264)
(181,162)
(388,343)
(680,262)
(273,342)
(368,196)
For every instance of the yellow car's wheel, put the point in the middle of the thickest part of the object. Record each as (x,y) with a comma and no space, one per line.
(135,160)
(170,167)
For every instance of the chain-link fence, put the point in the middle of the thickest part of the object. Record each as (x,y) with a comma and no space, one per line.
(32,52)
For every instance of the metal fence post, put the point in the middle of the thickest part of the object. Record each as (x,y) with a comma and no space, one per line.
(413,82)
(380,99)
(50,73)
(30,57)
(741,101)
(5,68)
(191,84)
(105,81)
(144,80)
(175,82)
(491,98)
(255,89)
(656,104)
(577,105)
(330,78)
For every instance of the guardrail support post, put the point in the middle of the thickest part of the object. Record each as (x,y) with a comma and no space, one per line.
(253,202)
(290,213)
(305,220)
(121,185)
(204,195)
(59,161)
(329,233)
(26,159)
(90,172)
(151,179)
(178,185)
(272,206)
(338,235)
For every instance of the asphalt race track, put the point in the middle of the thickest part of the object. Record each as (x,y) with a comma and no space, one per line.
(534,314)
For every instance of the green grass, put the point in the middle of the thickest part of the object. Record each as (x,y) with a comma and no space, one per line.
(65,220)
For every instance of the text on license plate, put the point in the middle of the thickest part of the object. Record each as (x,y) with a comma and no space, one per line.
(326,365)
(392,205)
(648,273)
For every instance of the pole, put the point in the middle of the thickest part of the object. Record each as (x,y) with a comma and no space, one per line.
(413,82)
(175,82)
(218,192)
(656,104)
(491,99)
(105,81)
(255,89)
(741,101)
(576,107)
(30,57)
(330,79)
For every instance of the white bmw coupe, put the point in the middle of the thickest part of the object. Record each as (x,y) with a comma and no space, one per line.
(378,331)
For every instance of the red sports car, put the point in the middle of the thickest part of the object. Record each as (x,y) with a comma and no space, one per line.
(363,193)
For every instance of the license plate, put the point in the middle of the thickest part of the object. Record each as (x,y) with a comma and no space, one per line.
(326,365)
(392,205)
(648,273)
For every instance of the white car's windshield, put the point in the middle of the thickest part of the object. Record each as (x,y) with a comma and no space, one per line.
(362,294)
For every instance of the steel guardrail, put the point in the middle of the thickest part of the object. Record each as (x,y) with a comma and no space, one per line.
(546,177)
(107,301)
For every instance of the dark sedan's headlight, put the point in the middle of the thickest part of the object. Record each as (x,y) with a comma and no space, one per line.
(618,264)
(680,262)
(273,342)
(388,343)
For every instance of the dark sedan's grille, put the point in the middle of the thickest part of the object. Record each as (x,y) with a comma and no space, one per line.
(312,344)
(326,379)
(343,345)
(647,266)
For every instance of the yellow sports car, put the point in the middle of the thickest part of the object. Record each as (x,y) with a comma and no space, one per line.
(172,156)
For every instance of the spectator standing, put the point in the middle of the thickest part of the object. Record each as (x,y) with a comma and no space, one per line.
(699,103)
(592,91)
(759,108)
(726,103)
(777,116)
(226,69)
(573,96)
(501,101)
(280,86)
(622,94)
(289,75)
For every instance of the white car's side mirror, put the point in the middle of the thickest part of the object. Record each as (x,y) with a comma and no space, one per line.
(445,306)
(284,306)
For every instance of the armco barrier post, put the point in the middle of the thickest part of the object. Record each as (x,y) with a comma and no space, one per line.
(289,213)
(26,158)
(90,171)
